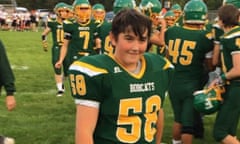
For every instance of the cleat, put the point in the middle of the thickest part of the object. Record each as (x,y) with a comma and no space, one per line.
(60,93)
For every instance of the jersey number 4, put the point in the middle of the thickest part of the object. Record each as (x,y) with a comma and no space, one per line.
(181,53)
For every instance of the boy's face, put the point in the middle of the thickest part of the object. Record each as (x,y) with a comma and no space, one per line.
(83,13)
(129,48)
(99,15)
(170,21)
(63,13)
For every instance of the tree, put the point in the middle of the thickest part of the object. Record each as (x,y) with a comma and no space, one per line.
(36,4)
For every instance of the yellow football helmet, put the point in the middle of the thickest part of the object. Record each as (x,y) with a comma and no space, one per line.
(82,10)
(99,12)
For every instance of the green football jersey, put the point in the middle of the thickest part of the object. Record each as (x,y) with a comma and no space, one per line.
(217,33)
(230,44)
(179,21)
(129,103)
(7,78)
(57,32)
(187,49)
(153,48)
(81,38)
(103,32)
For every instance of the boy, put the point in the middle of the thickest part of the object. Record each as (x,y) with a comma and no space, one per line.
(188,47)
(123,93)
(227,119)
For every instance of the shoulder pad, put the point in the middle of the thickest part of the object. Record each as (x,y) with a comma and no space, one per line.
(67,22)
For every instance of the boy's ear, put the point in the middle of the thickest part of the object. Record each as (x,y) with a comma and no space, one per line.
(112,39)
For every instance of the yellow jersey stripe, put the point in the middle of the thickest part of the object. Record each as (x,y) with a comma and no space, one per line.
(87,69)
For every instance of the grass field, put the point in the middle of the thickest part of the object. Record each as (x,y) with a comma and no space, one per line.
(40,116)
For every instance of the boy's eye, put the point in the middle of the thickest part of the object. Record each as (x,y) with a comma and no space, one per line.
(127,37)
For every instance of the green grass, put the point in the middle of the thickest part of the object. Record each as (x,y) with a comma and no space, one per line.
(40,116)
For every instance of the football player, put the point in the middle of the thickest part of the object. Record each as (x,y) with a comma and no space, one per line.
(71,16)
(219,32)
(170,18)
(80,34)
(122,94)
(152,9)
(7,80)
(98,13)
(177,9)
(188,49)
(56,28)
(227,119)
(103,28)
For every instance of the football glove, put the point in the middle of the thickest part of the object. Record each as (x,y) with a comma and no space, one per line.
(45,45)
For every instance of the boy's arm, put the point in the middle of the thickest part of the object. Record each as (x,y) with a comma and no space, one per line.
(160,124)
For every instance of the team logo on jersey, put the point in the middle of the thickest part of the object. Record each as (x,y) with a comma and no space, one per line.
(142,87)
(84,28)
(117,69)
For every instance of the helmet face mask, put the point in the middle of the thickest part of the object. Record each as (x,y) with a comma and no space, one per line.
(177,9)
(150,7)
(63,13)
(70,11)
(195,12)
(170,18)
(99,12)
(61,10)
(209,100)
(82,10)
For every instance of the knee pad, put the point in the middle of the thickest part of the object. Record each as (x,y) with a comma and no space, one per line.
(188,129)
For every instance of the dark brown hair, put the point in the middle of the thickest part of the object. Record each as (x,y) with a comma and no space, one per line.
(229,15)
(131,20)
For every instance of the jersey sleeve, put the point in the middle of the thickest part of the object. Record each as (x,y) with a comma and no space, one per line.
(217,32)
(50,24)
(6,74)
(67,28)
(85,81)
(207,41)
(235,48)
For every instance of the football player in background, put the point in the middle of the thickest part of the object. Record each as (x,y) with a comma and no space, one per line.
(71,15)
(177,9)
(103,28)
(122,94)
(7,80)
(80,34)
(56,28)
(98,13)
(188,49)
(217,30)
(227,119)
(152,9)
(170,18)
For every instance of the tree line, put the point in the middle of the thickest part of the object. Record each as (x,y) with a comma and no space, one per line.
(49,4)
